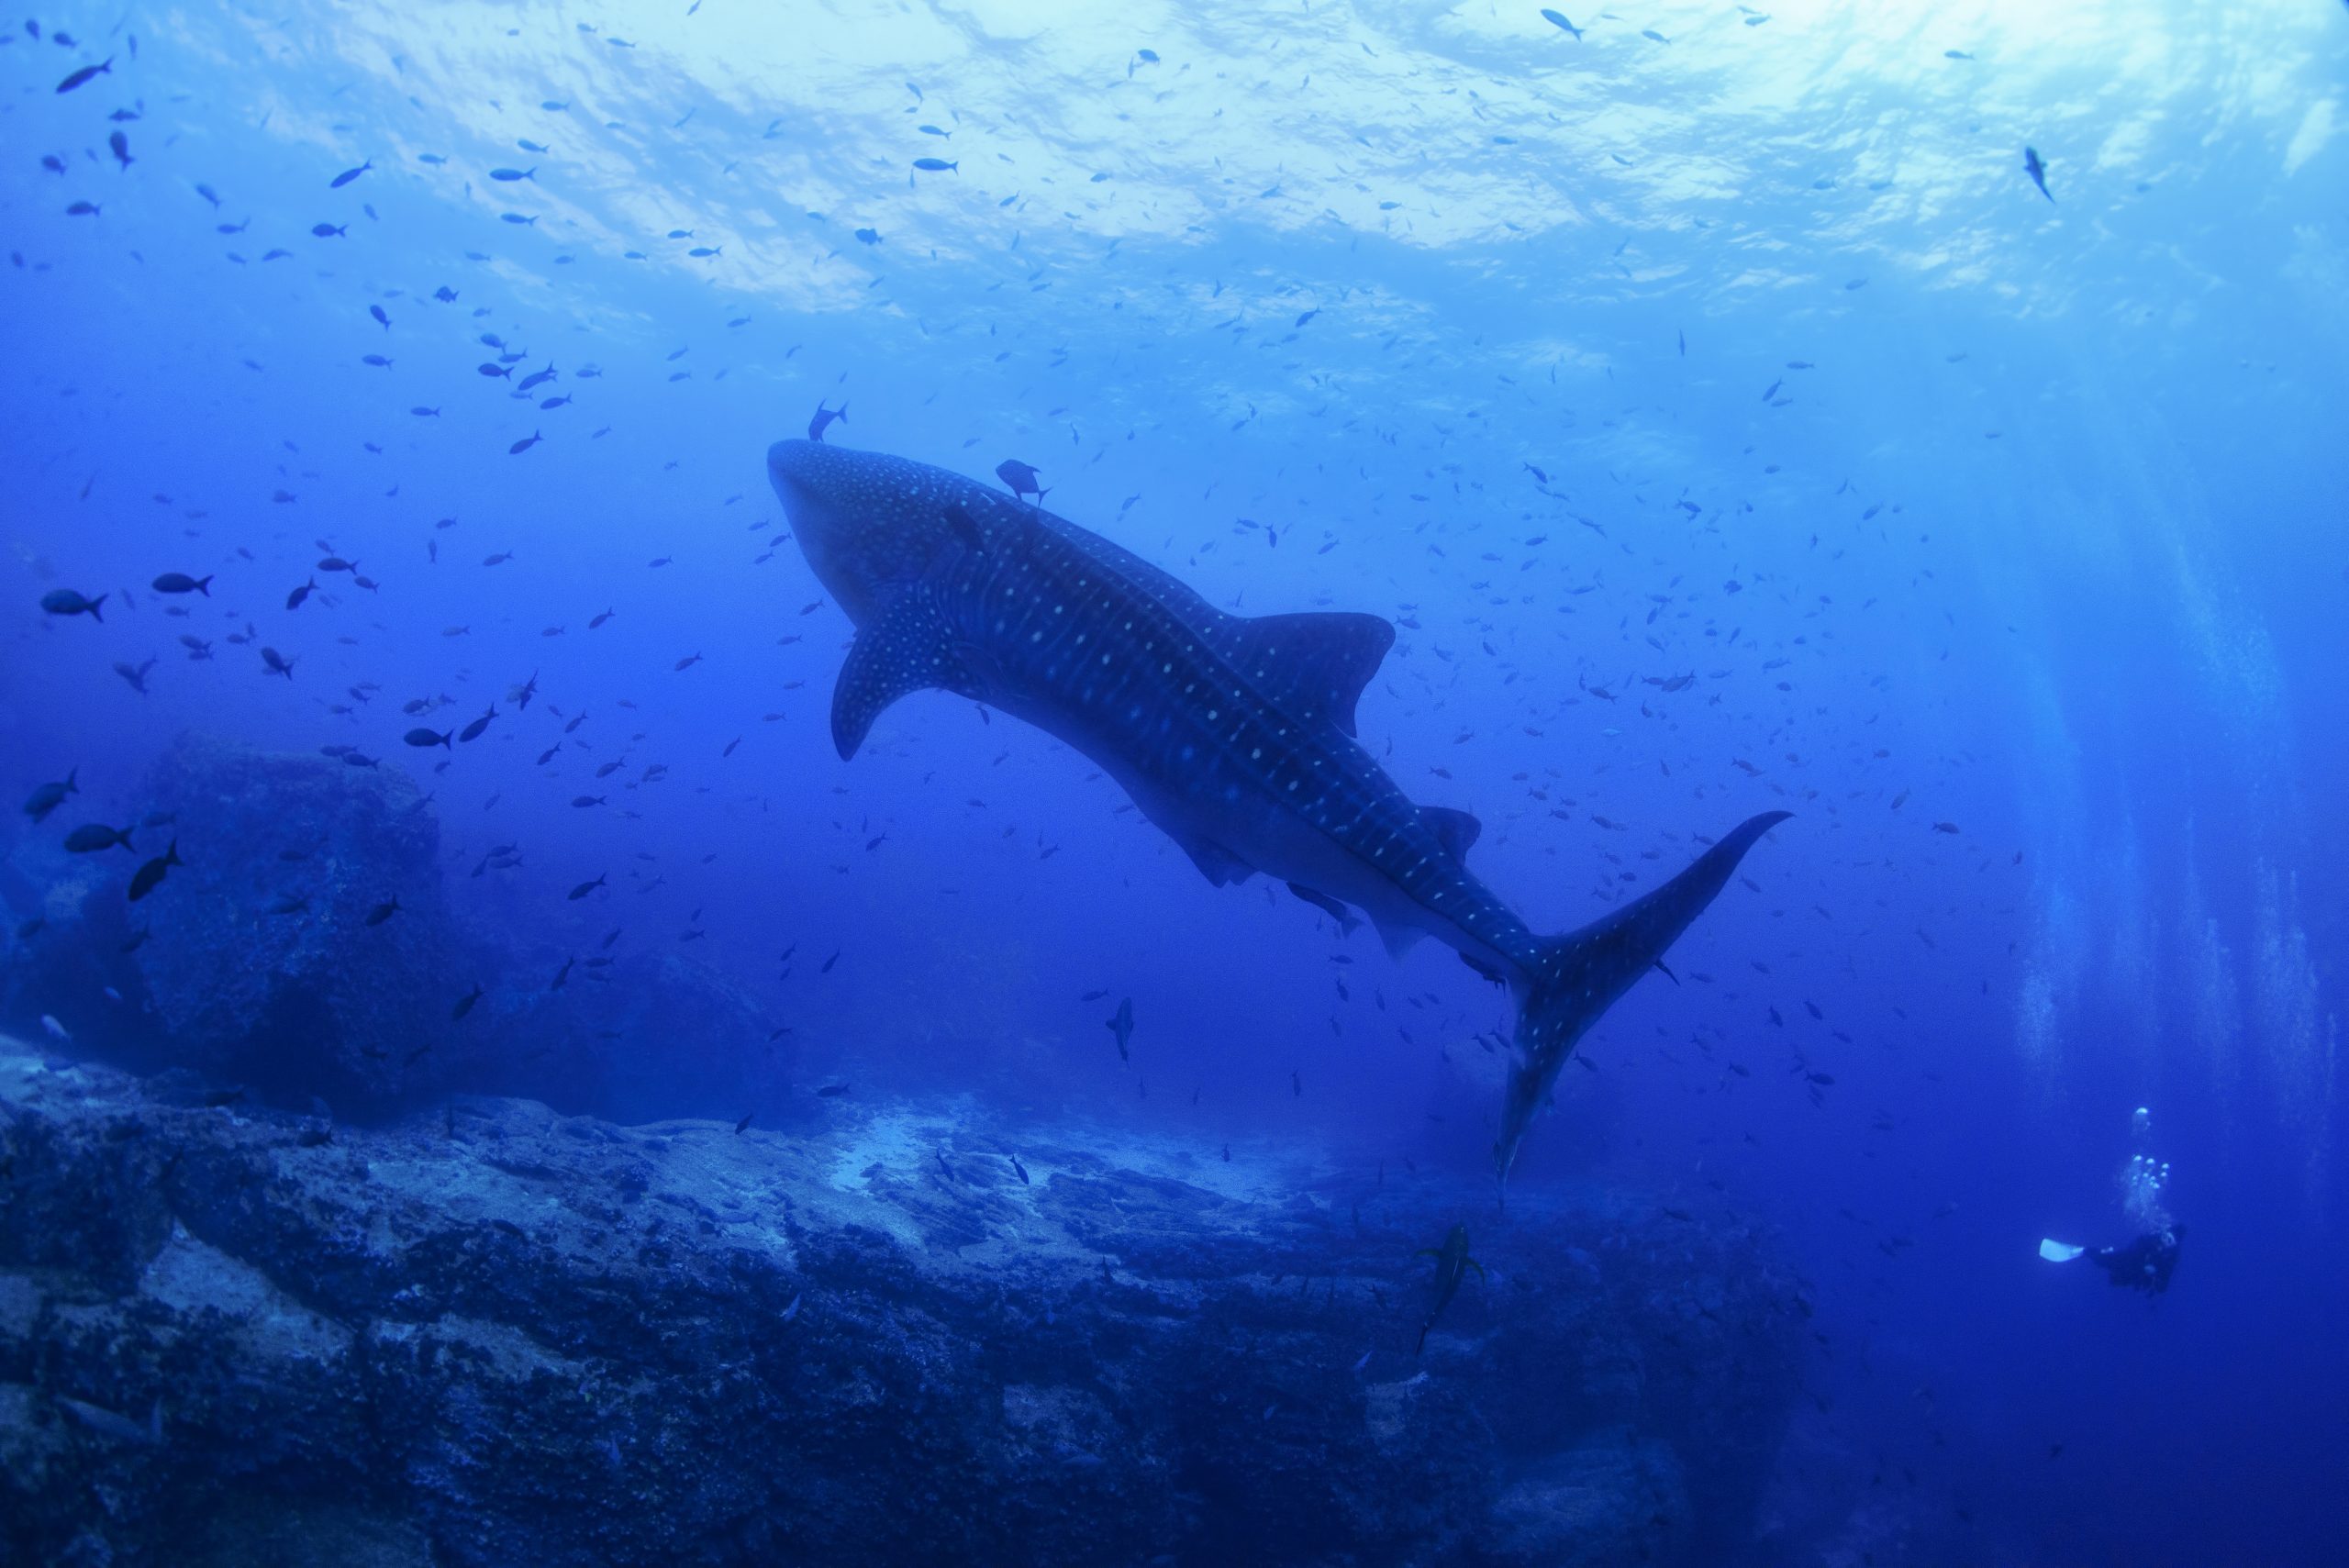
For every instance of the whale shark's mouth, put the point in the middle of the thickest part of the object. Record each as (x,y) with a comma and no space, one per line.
(838,535)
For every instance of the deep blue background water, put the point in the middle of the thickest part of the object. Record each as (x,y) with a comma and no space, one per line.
(2044,543)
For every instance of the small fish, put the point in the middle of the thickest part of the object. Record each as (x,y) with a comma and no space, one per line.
(383,912)
(936,165)
(793,1310)
(349,174)
(824,416)
(1020,478)
(584,888)
(103,67)
(420,736)
(293,600)
(465,1004)
(509,175)
(92,837)
(1121,1025)
(276,663)
(2037,170)
(48,797)
(525,444)
(150,876)
(1016,1166)
(288,904)
(66,602)
(119,145)
(830,1091)
(329,230)
(56,1030)
(1555,19)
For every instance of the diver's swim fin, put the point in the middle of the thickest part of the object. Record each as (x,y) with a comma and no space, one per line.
(2059,1251)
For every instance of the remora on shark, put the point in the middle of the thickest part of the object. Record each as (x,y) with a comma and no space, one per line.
(1234,734)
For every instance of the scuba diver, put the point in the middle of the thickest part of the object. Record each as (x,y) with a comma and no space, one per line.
(2146,1263)
(1452,1265)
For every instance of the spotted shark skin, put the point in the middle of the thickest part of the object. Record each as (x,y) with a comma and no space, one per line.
(1235,735)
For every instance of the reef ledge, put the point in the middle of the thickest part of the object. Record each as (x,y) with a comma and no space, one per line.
(494,1335)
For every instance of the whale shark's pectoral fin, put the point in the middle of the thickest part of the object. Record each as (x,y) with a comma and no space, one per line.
(1313,666)
(910,647)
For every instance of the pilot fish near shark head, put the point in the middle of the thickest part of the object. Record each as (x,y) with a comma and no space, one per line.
(1234,735)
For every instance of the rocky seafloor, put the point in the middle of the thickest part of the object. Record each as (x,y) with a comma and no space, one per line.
(492,1334)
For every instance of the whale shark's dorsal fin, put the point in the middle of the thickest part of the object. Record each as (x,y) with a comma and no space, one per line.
(1311,667)
(910,647)
(1456,830)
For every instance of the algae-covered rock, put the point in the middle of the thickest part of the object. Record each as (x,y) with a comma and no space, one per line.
(497,1335)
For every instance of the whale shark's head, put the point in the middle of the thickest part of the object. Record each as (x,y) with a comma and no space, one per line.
(869,524)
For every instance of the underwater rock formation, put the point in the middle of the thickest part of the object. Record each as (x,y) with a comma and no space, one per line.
(269,958)
(253,961)
(496,1335)
(261,964)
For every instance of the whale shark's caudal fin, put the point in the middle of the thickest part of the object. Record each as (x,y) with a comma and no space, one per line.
(1578,976)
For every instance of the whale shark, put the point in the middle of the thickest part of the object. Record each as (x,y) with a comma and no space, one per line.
(1235,735)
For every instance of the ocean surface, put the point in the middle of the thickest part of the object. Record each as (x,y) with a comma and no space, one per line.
(1724,417)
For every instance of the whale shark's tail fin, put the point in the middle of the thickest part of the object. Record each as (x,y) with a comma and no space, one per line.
(1578,976)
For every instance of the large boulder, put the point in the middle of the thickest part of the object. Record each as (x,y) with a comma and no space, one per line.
(254,961)
(267,959)
(497,1335)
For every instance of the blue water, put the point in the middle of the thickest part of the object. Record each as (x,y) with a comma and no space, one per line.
(2001,535)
